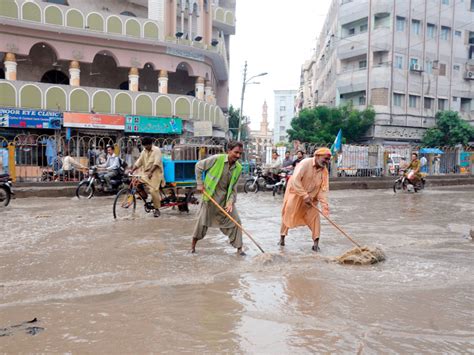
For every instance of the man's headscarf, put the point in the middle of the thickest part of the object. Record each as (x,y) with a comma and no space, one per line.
(325,182)
(323,151)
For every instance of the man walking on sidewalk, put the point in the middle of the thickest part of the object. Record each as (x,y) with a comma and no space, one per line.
(308,186)
(222,174)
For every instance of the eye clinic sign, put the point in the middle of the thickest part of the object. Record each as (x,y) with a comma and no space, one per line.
(19,118)
(92,120)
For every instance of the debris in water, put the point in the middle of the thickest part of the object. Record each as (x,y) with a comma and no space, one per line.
(361,256)
(267,258)
(33,330)
(22,326)
(43,216)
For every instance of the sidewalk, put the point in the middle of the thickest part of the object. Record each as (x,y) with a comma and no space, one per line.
(66,189)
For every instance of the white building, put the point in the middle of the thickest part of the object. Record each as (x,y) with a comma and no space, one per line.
(407,59)
(284,112)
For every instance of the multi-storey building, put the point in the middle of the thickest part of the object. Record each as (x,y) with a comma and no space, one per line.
(283,112)
(96,60)
(408,59)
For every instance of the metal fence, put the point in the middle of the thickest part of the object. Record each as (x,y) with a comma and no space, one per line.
(35,158)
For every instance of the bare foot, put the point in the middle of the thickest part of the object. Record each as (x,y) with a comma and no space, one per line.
(240,252)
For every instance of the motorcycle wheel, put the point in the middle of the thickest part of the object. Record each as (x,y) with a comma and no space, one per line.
(277,190)
(4,197)
(84,191)
(125,204)
(251,186)
(397,185)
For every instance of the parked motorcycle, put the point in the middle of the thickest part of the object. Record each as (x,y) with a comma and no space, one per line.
(96,182)
(280,187)
(6,190)
(260,181)
(405,183)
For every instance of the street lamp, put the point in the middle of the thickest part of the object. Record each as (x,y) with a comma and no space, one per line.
(245,82)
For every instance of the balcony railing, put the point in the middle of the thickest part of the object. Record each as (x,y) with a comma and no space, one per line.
(34,95)
(53,16)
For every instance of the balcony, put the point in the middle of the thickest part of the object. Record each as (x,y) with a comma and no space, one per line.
(65,20)
(23,94)
(224,19)
(352,46)
(352,81)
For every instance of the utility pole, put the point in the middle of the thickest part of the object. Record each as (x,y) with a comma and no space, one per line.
(242,102)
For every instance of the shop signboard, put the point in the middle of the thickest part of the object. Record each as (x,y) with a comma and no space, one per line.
(93,120)
(20,118)
(149,124)
(203,129)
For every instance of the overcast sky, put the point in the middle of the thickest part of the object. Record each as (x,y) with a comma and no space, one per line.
(274,36)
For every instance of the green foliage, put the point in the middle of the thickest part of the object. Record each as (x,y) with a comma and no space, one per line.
(450,130)
(321,124)
(234,118)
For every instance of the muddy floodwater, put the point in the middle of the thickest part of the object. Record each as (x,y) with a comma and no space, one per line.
(131,286)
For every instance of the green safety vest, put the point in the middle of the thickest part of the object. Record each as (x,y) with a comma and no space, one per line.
(213,175)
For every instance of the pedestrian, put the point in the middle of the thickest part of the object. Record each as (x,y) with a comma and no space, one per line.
(222,174)
(437,164)
(308,186)
(287,161)
(150,164)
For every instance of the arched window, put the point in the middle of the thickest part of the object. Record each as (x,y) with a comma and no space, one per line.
(128,13)
(55,77)
(59,2)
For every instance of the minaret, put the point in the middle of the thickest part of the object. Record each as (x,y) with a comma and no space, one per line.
(264,123)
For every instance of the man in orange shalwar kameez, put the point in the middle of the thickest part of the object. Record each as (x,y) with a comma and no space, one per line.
(308,185)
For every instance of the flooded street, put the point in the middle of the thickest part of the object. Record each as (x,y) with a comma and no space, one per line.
(131,286)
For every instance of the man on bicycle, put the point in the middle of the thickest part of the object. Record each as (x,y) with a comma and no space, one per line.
(150,164)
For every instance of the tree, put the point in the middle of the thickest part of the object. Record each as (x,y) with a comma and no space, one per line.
(450,130)
(234,119)
(321,124)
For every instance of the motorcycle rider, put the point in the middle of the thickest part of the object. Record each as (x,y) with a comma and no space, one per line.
(273,168)
(112,166)
(412,172)
(299,158)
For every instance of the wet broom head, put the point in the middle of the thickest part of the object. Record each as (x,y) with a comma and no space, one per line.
(361,256)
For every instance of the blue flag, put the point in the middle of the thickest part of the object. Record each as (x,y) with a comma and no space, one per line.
(336,146)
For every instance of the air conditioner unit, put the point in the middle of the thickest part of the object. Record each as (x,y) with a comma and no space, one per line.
(416,67)
(469,75)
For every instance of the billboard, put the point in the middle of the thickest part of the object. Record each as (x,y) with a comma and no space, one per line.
(93,120)
(19,118)
(150,124)
(203,129)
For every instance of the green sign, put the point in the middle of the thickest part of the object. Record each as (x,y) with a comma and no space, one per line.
(150,124)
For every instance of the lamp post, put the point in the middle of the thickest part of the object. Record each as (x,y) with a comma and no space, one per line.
(245,82)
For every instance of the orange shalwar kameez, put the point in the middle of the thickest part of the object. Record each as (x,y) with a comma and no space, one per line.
(307,180)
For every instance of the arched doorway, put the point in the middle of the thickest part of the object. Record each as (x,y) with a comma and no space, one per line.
(124,85)
(55,77)
(2,74)
(182,82)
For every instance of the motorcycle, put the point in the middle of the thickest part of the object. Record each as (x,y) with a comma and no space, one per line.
(280,186)
(404,182)
(260,181)
(96,182)
(6,190)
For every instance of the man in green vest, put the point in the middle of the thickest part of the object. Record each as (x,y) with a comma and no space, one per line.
(222,174)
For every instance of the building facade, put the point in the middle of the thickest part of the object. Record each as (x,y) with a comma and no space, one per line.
(152,58)
(407,59)
(261,139)
(284,112)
